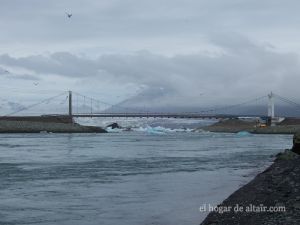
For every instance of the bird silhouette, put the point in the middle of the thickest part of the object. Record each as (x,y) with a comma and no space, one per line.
(69,15)
(36,83)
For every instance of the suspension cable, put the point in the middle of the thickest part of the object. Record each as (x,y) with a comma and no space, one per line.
(105,103)
(36,104)
(233,106)
(286,100)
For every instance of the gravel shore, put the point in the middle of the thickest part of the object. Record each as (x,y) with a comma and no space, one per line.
(54,127)
(235,125)
(271,198)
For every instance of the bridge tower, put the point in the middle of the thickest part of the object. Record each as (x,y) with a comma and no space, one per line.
(70,104)
(271,112)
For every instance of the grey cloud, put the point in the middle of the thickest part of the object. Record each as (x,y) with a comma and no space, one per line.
(23,77)
(43,24)
(60,63)
(179,53)
(244,70)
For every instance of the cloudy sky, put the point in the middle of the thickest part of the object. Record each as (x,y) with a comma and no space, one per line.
(176,53)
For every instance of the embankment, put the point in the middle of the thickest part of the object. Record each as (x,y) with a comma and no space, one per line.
(235,125)
(272,197)
(44,124)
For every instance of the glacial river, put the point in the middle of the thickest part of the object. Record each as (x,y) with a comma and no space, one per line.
(133,178)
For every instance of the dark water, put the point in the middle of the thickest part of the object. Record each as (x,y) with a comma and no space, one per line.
(125,178)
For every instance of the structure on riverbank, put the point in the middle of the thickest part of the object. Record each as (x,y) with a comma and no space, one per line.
(204,114)
(46,123)
(96,108)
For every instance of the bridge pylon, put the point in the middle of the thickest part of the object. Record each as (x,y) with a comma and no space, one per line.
(271,108)
(70,105)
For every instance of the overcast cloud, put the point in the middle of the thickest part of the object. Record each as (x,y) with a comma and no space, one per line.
(171,52)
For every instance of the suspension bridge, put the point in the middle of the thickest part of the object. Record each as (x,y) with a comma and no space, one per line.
(79,106)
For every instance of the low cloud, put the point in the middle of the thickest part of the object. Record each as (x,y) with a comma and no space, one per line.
(242,69)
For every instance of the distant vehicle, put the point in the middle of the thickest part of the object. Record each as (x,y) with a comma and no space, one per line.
(262,125)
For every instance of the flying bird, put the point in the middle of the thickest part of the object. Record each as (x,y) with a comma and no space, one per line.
(36,83)
(3,70)
(69,15)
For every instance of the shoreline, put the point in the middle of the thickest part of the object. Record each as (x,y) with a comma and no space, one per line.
(276,188)
(290,130)
(44,124)
(235,126)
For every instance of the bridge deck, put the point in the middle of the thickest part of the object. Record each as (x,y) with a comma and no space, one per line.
(161,115)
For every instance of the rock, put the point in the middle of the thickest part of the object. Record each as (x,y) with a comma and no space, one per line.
(279,204)
(296,143)
(286,155)
(296,205)
(114,126)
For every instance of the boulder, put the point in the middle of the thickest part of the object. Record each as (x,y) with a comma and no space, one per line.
(296,143)
(114,126)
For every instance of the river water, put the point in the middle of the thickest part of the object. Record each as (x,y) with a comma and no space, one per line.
(132,178)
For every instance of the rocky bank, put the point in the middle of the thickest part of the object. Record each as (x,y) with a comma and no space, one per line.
(40,124)
(236,125)
(272,197)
